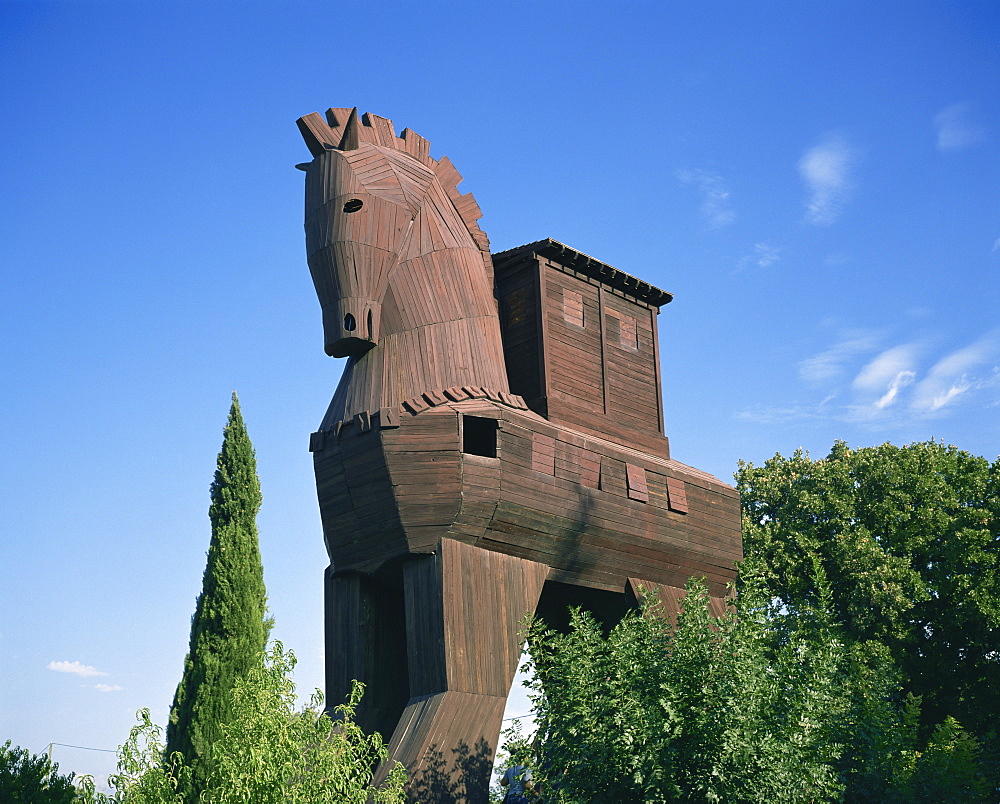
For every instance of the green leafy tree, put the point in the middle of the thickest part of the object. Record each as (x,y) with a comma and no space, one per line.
(143,777)
(295,757)
(229,628)
(763,705)
(909,538)
(733,710)
(267,753)
(27,778)
(870,576)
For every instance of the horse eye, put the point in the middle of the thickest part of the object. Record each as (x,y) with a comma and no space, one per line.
(353,205)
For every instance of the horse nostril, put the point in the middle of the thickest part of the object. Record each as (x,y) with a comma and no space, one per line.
(349,323)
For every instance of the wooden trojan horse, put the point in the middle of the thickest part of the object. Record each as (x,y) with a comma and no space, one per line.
(495,448)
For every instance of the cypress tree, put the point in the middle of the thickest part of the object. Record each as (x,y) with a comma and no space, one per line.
(229,629)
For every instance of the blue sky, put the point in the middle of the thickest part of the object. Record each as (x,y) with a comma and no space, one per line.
(817,183)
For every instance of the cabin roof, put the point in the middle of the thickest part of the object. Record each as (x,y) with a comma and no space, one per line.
(589,266)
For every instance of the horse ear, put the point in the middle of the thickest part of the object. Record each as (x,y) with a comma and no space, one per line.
(371,128)
(351,139)
(337,117)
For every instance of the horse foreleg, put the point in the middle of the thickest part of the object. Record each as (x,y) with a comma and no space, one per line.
(464,610)
(365,640)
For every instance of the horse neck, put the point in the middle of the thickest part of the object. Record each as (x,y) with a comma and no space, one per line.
(439,323)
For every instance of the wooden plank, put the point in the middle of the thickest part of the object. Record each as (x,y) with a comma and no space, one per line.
(654,333)
(636,480)
(542,453)
(677,495)
(604,349)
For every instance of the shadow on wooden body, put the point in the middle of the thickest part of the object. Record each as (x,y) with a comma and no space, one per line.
(460,492)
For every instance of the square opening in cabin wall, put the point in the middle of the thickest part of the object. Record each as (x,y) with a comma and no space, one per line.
(479,436)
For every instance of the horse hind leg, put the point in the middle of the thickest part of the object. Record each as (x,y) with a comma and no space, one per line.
(464,610)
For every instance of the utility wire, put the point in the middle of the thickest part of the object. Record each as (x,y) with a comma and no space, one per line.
(84,748)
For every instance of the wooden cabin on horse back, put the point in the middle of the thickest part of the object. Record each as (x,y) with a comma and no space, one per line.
(495,448)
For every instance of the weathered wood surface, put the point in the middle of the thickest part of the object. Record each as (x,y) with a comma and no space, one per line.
(581,351)
(593,511)
(495,447)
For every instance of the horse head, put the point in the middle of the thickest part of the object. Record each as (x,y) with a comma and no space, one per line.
(365,188)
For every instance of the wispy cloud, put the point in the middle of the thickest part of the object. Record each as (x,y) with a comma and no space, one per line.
(837,259)
(764,255)
(956,128)
(886,367)
(107,687)
(863,380)
(763,414)
(77,669)
(830,364)
(879,382)
(826,170)
(716,207)
(957,373)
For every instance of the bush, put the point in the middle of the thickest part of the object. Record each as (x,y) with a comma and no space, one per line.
(268,752)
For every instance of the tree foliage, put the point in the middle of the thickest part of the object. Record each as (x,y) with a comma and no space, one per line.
(27,778)
(909,538)
(707,711)
(295,757)
(229,628)
(862,644)
(763,705)
(267,753)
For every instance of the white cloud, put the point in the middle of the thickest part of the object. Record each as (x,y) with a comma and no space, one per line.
(885,370)
(901,380)
(716,207)
(996,245)
(891,387)
(826,169)
(762,255)
(956,128)
(953,375)
(84,670)
(763,414)
(830,363)
(879,383)
(107,687)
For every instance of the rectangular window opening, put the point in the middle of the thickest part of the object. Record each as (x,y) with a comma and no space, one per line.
(479,436)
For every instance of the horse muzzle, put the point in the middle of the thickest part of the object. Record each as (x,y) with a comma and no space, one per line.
(350,327)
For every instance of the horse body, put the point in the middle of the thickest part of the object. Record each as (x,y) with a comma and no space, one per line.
(448,506)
